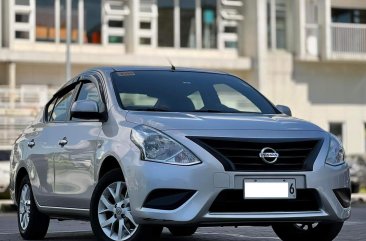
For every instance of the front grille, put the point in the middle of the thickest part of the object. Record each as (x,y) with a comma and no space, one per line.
(243,154)
(232,201)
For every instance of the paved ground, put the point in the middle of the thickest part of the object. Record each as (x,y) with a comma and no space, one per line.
(354,230)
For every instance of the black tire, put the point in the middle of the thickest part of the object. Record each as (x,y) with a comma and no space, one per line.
(38,222)
(143,232)
(322,231)
(182,231)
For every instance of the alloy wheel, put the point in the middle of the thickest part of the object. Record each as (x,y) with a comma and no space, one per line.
(114,213)
(24,206)
(306,226)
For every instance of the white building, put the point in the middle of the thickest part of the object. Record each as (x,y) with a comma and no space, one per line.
(307,54)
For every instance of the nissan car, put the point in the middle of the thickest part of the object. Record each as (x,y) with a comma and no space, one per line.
(137,149)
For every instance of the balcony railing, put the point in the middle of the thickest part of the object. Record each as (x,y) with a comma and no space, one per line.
(348,40)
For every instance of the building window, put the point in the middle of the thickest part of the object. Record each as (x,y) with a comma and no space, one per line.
(166,23)
(209,29)
(197,24)
(46,27)
(92,21)
(277,24)
(336,128)
(23,18)
(45,21)
(74,21)
(188,23)
(340,15)
(22,2)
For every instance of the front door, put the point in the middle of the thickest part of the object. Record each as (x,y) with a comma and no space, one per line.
(74,163)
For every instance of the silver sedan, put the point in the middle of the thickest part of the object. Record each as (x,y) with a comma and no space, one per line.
(137,149)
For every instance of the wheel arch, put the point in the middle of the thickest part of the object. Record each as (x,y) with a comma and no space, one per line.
(108,164)
(22,172)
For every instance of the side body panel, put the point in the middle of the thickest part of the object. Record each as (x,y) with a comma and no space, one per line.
(74,164)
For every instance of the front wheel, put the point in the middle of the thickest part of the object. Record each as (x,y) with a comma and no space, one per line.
(307,231)
(32,224)
(110,212)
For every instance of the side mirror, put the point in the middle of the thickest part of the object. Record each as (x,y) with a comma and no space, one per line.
(284,109)
(85,109)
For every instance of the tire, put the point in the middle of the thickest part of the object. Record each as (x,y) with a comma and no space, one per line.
(32,224)
(182,231)
(307,231)
(113,209)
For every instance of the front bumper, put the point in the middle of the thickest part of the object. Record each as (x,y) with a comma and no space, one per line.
(209,179)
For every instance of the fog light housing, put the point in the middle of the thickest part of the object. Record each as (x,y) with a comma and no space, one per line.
(167,199)
(344,196)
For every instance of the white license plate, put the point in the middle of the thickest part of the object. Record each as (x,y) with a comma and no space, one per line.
(269,188)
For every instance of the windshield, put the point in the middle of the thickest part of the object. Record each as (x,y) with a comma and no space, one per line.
(175,91)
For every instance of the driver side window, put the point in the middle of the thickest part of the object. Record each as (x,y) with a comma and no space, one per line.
(89,91)
(61,108)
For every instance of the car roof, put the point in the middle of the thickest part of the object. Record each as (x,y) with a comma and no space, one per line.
(155,68)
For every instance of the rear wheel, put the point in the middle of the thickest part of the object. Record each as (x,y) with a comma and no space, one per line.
(32,224)
(110,212)
(182,231)
(307,231)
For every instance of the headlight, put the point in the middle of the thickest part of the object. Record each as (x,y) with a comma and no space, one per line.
(158,147)
(336,153)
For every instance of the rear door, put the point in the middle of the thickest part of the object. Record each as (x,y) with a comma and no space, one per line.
(74,164)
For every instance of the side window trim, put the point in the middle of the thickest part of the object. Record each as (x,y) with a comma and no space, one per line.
(84,80)
(97,79)
(59,95)
(47,115)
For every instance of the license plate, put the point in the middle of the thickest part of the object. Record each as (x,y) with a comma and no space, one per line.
(269,188)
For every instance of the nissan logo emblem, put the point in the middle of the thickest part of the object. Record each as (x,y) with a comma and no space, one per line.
(268,155)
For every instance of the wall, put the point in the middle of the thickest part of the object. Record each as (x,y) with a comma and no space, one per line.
(3,74)
(44,74)
(353,4)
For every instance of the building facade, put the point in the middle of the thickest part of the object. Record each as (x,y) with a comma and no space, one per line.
(307,54)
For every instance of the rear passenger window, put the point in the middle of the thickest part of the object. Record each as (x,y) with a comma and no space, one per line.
(61,110)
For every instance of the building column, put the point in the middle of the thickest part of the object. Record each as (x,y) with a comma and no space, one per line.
(299,25)
(12,83)
(1,23)
(253,38)
(133,25)
(325,19)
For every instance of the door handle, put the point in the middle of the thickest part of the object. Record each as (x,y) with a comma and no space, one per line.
(62,142)
(31,143)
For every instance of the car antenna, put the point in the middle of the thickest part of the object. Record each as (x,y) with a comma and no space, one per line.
(171,64)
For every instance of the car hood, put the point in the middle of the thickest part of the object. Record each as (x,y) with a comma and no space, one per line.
(218,121)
